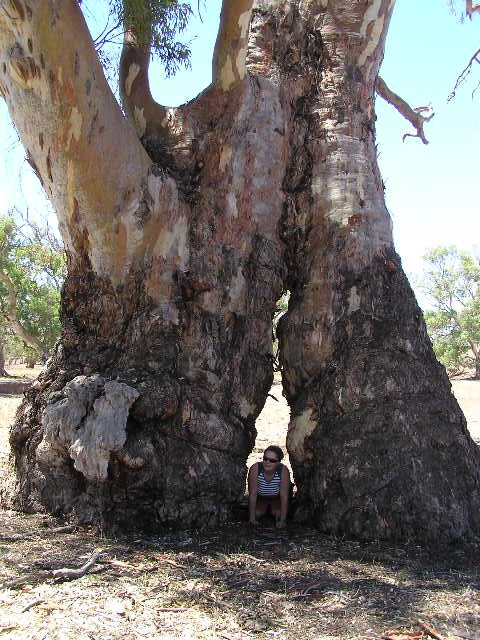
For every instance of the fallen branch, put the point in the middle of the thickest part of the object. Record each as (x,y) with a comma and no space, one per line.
(119,564)
(430,630)
(32,604)
(414,116)
(403,635)
(37,532)
(73,574)
(57,574)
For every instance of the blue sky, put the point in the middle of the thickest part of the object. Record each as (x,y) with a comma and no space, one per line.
(432,191)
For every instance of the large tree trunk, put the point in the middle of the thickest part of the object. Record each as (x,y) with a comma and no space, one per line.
(177,256)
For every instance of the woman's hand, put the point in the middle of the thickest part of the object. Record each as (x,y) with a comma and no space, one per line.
(281,524)
(253,522)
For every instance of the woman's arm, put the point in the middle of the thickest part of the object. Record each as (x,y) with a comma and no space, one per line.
(252,492)
(284,494)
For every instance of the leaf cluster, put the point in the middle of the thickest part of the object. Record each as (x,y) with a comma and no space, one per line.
(154,23)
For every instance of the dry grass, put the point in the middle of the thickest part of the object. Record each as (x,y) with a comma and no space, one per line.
(235,583)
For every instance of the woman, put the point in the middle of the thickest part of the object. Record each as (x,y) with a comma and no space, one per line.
(269,487)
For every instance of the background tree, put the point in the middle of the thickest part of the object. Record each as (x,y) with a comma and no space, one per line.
(183,227)
(451,282)
(31,274)
(3,371)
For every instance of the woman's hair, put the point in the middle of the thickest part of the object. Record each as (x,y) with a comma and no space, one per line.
(276,450)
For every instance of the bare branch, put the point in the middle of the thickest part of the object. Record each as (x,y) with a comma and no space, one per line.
(414,116)
(463,76)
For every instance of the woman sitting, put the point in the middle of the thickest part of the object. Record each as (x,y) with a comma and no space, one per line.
(269,487)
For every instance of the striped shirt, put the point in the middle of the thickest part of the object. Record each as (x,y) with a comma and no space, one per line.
(269,488)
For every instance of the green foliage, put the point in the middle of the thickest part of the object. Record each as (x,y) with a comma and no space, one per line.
(34,263)
(154,22)
(158,22)
(452,283)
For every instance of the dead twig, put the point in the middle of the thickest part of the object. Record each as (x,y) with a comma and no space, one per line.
(31,605)
(462,77)
(403,635)
(430,630)
(37,532)
(119,564)
(172,563)
(269,395)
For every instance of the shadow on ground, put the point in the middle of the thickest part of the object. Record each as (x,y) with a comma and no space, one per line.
(236,582)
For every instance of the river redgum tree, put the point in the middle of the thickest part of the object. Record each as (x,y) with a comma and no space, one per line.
(183,226)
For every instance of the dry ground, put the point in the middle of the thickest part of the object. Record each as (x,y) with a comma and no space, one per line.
(233,583)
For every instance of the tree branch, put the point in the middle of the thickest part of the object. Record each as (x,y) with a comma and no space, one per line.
(231,46)
(414,116)
(87,154)
(463,76)
(138,103)
(470,8)
(11,315)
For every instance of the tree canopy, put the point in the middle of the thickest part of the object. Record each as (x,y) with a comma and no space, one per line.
(451,282)
(32,268)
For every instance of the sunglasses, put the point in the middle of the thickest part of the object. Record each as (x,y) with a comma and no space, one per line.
(272,460)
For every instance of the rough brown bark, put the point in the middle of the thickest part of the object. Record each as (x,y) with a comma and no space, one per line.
(267,180)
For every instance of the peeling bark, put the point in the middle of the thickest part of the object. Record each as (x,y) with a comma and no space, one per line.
(179,246)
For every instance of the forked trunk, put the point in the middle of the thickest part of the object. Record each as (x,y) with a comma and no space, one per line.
(267,181)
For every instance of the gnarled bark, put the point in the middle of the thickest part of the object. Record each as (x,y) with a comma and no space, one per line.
(177,256)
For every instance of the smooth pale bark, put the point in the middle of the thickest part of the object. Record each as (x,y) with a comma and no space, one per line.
(267,181)
(229,57)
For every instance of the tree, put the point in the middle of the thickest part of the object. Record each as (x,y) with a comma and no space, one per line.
(3,371)
(31,274)
(183,227)
(452,284)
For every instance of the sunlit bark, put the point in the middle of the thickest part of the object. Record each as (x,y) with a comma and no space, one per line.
(229,58)
(148,116)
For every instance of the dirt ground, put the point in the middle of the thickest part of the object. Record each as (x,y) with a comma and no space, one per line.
(233,583)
